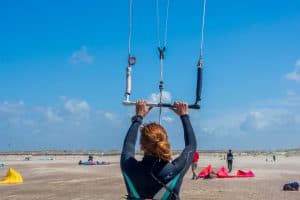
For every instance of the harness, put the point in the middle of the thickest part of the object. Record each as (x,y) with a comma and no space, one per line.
(163,194)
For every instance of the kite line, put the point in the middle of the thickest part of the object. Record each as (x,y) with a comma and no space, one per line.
(161,51)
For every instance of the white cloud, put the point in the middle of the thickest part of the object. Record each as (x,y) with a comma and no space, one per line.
(254,120)
(87,126)
(227,123)
(268,119)
(82,56)
(15,107)
(110,116)
(76,106)
(73,121)
(167,119)
(166,97)
(271,118)
(15,114)
(295,74)
(12,113)
(52,115)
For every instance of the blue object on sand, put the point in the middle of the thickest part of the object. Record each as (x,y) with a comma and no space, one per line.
(294,186)
(1,165)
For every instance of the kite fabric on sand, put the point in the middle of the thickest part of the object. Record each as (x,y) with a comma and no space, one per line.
(241,173)
(222,173)
(205,172)
(12,177)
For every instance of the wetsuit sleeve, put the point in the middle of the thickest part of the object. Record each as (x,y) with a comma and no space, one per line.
(128,149)
(187,154)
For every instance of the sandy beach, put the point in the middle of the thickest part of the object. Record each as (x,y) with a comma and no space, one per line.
(63,178)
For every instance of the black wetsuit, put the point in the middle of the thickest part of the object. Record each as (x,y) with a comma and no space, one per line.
(229,161)
(145,178)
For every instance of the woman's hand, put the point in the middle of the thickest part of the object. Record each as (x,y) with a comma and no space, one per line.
(141,108)
(180,108)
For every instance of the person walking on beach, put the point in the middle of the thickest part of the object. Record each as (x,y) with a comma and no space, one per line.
(156,176)
(229,160)
(194,165)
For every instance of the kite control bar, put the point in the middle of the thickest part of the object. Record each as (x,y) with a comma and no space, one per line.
(167,105)
(162,48)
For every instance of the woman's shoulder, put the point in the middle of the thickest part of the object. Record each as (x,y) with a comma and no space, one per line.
(129,163)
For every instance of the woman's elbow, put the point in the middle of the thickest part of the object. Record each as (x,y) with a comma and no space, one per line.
(192,146)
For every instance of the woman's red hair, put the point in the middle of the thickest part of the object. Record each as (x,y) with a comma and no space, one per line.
(154,141)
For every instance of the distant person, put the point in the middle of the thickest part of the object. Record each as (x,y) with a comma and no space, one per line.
(156,176)
(27,158)
(90,158)
(229,160)
(274,158)
(194,165)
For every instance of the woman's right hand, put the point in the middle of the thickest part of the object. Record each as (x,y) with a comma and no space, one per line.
(180,108)
(141,108)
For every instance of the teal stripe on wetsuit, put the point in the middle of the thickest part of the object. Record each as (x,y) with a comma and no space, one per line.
(166,194)
(171,187)
(131,187)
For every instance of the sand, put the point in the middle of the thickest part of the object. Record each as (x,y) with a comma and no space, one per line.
(62,178)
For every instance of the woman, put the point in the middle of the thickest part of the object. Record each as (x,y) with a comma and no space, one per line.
(156,176)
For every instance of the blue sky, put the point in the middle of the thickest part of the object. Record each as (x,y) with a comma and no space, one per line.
(62,72)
